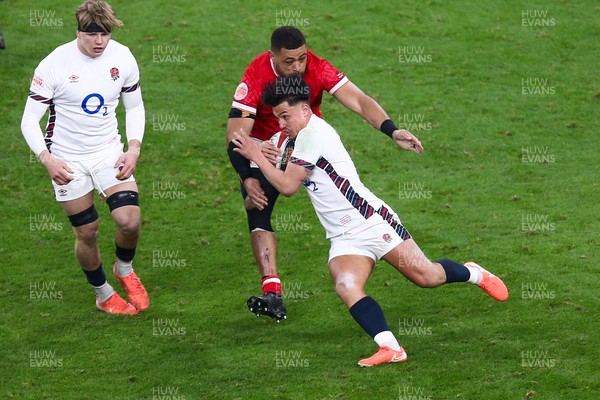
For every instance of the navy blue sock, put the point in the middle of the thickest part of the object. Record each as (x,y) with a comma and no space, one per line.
(455,272)
(97,277)
(369,315)
(124,254)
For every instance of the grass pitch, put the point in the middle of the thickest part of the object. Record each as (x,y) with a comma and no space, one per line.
(503,97)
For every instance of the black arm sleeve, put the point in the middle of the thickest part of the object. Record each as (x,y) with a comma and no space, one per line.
(237,113)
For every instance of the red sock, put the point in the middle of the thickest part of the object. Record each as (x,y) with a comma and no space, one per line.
(271,283)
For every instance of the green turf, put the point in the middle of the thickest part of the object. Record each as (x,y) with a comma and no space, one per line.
(508,179)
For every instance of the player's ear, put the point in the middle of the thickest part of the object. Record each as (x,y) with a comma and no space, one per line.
(305,108)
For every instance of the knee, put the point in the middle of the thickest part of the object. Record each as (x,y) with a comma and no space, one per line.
(87,234)
(128,223)
(345,285)
(260,219)
(124,208)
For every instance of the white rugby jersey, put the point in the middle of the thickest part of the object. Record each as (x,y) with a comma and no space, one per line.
(82,94)
(339,198)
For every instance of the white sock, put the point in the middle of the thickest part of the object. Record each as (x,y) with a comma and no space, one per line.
(475,275)
(124,268)
(104,292)
(387,338)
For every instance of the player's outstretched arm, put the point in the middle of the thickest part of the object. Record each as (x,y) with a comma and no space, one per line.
(356,100)
(286,182)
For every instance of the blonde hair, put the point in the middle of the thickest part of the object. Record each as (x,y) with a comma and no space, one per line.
(99,13)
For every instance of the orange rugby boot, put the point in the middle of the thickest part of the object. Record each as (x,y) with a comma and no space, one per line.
(490,283)
(383,356)
(135,290)
(116,305)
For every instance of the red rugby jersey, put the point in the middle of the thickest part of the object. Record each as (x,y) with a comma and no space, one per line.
(320,75)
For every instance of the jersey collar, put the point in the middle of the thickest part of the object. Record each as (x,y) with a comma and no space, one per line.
(273,67)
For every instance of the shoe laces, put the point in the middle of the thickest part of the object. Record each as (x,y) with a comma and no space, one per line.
(134,281)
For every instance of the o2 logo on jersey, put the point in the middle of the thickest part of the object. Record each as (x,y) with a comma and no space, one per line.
(84,104)
(310,185)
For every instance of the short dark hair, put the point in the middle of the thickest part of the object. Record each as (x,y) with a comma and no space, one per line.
(286,37)
(292,88)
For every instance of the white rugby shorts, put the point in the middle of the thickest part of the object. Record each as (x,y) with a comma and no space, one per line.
(374,239)
(94,173)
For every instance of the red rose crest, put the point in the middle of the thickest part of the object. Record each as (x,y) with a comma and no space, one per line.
(114,74)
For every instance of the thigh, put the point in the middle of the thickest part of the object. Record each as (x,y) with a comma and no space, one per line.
(126,215)
(121,187)
(78,205)
(354,269)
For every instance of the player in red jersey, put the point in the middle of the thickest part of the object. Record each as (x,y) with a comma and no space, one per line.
(288,56)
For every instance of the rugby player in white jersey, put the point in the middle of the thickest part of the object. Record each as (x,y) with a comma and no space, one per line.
(361,227)
(80,84)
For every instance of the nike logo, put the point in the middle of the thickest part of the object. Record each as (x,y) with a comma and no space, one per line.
(397,358)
